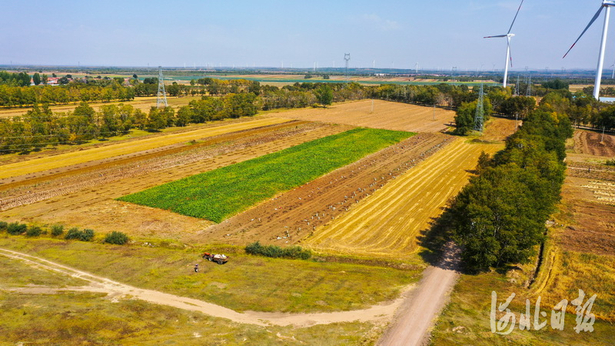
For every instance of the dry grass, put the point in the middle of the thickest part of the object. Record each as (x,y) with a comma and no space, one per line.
(386,115)
(126,148)
(388,222)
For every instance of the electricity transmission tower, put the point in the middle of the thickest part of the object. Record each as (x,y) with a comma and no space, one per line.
(480,112)
(162,94)
(347,58)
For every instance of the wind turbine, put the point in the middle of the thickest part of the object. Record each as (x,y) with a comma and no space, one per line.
(605,4)
(508,36)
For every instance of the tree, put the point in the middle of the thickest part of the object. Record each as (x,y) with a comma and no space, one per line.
(36,78)
(464,120)
(324,95)
(45,79)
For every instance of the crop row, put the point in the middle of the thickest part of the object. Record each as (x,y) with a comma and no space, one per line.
(221,193)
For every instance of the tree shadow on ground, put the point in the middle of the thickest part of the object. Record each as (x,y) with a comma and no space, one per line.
(433,239)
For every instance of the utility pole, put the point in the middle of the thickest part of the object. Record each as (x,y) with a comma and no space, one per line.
(480,112)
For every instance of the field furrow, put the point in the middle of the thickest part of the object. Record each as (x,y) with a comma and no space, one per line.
(120,149)
(388,222)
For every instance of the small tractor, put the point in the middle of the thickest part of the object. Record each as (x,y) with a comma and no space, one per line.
(218,258)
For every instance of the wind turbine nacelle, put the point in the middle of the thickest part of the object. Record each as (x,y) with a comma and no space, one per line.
(608,2)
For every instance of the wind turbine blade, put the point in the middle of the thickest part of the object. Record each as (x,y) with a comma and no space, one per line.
(495,36)
(514,19)
(587,27)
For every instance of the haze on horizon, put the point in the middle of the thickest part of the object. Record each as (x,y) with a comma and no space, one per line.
(274,33)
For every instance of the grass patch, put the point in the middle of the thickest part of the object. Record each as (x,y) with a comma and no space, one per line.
(221,193)
(465,321)
(91,319)
(244,283)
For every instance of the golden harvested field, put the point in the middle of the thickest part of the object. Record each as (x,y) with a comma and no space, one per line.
(126,148)
(386,115)
(142,103)
(387,223)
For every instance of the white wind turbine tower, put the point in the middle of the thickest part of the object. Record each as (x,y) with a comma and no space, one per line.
(605,4)
(508,36)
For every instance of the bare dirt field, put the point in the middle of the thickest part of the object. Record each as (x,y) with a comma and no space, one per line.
(589,142)
(389,222)
(85,197)
(386,115)
(291,216)
(499,128)
(592,205)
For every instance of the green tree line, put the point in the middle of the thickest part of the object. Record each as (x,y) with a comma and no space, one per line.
(499,217)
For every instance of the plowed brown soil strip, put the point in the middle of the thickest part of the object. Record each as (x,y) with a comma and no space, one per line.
(291,216)
(589,142)
(385,115)
(87,200)
(388,223)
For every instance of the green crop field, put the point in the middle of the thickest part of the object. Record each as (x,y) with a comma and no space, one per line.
(218,194)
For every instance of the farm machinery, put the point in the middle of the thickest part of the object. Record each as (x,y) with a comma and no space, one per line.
(218,258)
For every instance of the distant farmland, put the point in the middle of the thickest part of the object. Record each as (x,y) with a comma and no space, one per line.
(218,194)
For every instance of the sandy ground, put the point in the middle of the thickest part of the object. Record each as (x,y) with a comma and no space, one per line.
(385,115)
(415,318)
(117,290)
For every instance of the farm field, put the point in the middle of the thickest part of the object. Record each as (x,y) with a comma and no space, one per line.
(30,167)
(86,197)
(386,115)
(219,194)
(589,142)
(142,103)
(388,223)
(579,255)
(291,216)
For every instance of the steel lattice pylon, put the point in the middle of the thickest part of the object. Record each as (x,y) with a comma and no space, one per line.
(480,111)
(162,94)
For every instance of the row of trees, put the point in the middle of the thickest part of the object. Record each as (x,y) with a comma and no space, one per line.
(499,218)
(19,96)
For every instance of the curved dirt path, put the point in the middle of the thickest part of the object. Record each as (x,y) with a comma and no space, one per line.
(116,289)
(416,317)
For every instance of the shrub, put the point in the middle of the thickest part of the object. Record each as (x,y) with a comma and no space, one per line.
(274,251)
(610,162)
(34,231)
(57,230)
(75,233)
(87,235)
(3,226)
(16,228)
(117,238)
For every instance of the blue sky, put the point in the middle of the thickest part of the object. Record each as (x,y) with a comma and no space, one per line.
(436,34)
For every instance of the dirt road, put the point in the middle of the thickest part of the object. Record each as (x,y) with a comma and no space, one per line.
(418,313)
(117,290)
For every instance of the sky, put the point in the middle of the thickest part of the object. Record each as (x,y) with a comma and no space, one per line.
(270,33)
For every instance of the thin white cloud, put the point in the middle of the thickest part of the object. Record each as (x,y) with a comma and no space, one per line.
(375,21)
